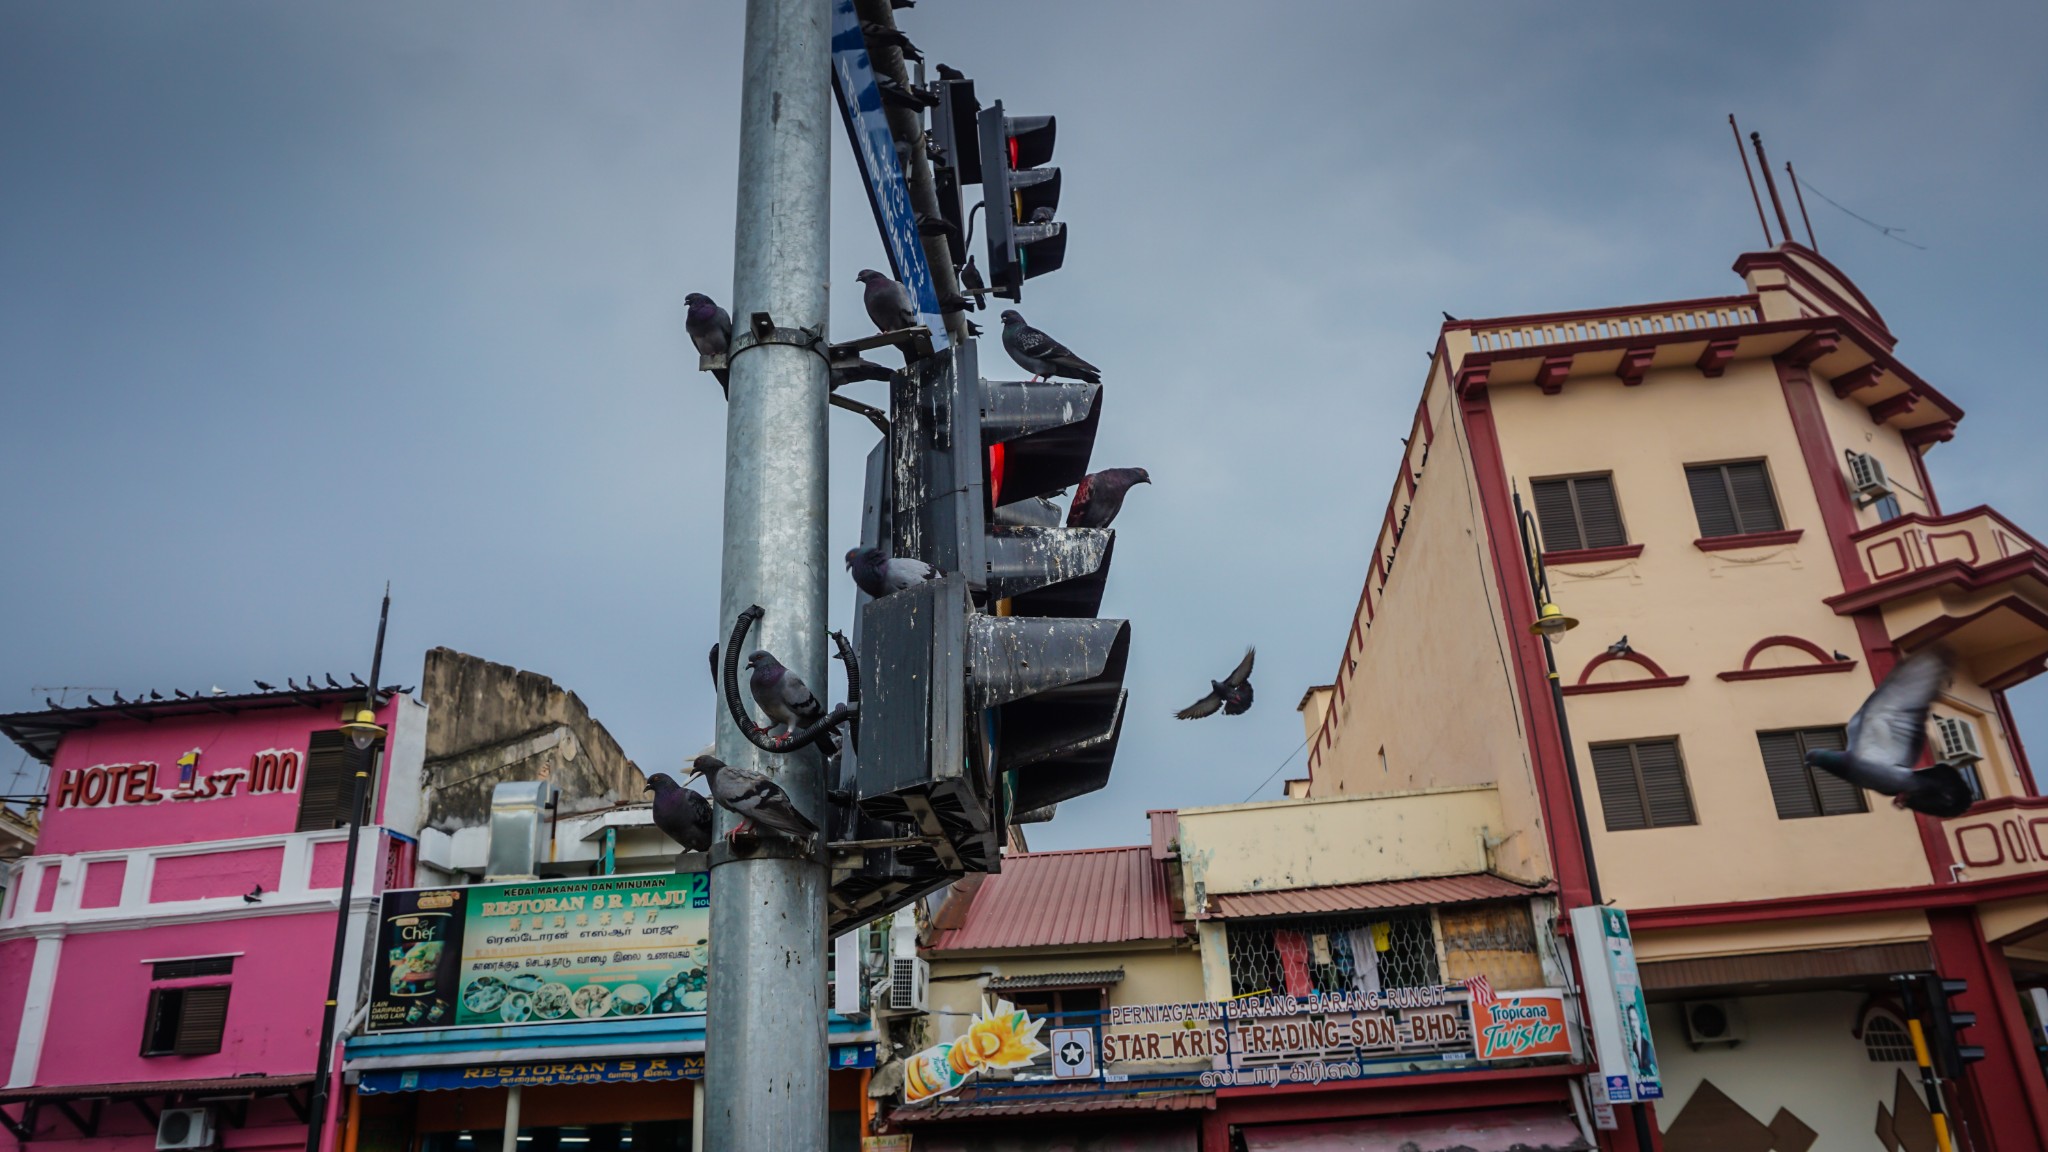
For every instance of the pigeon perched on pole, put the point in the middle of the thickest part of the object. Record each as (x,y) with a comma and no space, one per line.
(972,283)
(710,329)
(783,696)
(754,798)
(1041,355)
(1887,735)
(1233,693)
(1100,496)
(890,305)
(683,815)
(883,36)
(877,573)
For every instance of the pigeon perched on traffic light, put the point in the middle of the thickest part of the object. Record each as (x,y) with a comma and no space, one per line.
(890,305)
(972,284)
(783,696)
(754,798)
(1887,735)
(1100,496)
(877,573)
(710,329)
(1233,693)
(1041,355)
(684,816)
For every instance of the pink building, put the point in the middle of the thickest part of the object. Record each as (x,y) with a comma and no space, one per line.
(167,947)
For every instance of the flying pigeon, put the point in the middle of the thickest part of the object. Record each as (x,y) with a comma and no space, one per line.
(972,284)
(685,816)
(1041,355)
(710,329)
(1233,693)
(1887,735)
(1100,496)
(876,573)
(890,305)
(783,696)
(881,35)
(754,798)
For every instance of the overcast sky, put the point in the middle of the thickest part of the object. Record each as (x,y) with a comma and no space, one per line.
(295,299)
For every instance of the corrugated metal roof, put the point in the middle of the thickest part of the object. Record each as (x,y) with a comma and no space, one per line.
(229,1085)
(1165,830)
(38,733)
(1047,980)
(1833,966)
(1358,897)
(1090,896)
(945,1110)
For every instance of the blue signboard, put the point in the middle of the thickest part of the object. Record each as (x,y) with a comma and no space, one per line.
(860,101)
(535,1073)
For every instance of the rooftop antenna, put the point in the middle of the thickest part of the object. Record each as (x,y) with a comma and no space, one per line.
(1751,177)
(1771,185)
(1801,198)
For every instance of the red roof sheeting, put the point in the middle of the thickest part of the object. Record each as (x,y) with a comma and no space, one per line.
(1359,897)
(1091,896)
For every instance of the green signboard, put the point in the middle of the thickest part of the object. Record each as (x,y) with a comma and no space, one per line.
(544,952)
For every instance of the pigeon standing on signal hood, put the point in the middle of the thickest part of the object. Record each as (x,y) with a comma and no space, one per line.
(710,329)
(1041,355)
(877,573)
(1233,693)
(1887,735)
(1100,496)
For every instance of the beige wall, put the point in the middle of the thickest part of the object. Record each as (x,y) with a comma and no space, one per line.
(1155,972)
(1696,614)
(1781,936)
(1284,844)
(1430,702)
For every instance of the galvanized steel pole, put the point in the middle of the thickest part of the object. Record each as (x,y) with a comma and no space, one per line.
(765,1035)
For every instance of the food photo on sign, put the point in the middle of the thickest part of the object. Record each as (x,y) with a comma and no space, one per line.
(1000,1036)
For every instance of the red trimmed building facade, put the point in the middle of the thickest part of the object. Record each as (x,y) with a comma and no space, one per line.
(1730,496)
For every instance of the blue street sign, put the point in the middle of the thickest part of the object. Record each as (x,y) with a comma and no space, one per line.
(860,102)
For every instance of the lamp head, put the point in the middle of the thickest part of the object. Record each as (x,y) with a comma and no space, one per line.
(363,731)
(1551,622)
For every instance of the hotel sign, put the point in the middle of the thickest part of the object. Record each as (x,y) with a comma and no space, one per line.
(147,782)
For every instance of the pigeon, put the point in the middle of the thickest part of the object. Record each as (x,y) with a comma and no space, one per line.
(1839,658)
(1233,693)
(1448,318)
(972,284)
(291,683)
(1041,355)
(51,703)
(1620,647)
(254,895)
(710,329)
(685,816)
(883,36)
(717,674)
(948,72)
(331,681)
(180,694)
(155,695)
(890,305)
(356,680)
(1100,496)
(1042,214)
(754,798)
(876,573)
(117,697)
(1887,735)
(782,695)
(89,699)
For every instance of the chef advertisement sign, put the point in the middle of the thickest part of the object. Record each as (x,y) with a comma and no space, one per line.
(1619,1014)
(565,950)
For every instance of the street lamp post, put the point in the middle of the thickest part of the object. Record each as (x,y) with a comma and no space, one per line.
(367,736)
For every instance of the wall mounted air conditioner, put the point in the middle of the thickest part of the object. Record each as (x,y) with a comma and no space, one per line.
(1867,478)
(909,984)
(184,1128)
(1958,740)
(1714,1022)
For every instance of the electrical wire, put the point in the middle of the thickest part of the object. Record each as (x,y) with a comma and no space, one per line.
(1882,230)
(1277,771)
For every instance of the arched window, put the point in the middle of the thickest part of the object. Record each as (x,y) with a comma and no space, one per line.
(1886,1041)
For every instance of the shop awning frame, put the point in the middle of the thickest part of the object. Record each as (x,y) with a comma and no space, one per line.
(234,1094)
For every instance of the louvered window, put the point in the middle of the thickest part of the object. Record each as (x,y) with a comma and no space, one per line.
(1733,499)
(324,799)
(1800,791)
(1642,785)
(185,1021)
(1578,512)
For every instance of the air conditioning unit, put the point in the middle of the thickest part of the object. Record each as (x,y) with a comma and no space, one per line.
(1958,740)
(909,984)
(1867,477)
(184,1128)
(1714,1022)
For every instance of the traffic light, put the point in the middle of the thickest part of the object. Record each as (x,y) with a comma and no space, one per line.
(1020,195)
(956,131)
(1944,1025)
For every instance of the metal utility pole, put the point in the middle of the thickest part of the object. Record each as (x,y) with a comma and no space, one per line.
(766,1030)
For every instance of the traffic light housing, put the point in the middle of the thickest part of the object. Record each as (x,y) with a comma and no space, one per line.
(1945,1024)
(956,130)
(1020,193)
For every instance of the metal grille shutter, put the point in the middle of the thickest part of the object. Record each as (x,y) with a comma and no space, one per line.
(1755,507)
(1838,797)
(1621,798)
(1785,768)
(1710,501)
(1554,515)
(1664,783)
(202,1017)
(1599,514)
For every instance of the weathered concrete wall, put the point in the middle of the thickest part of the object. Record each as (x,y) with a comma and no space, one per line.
(492,722)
